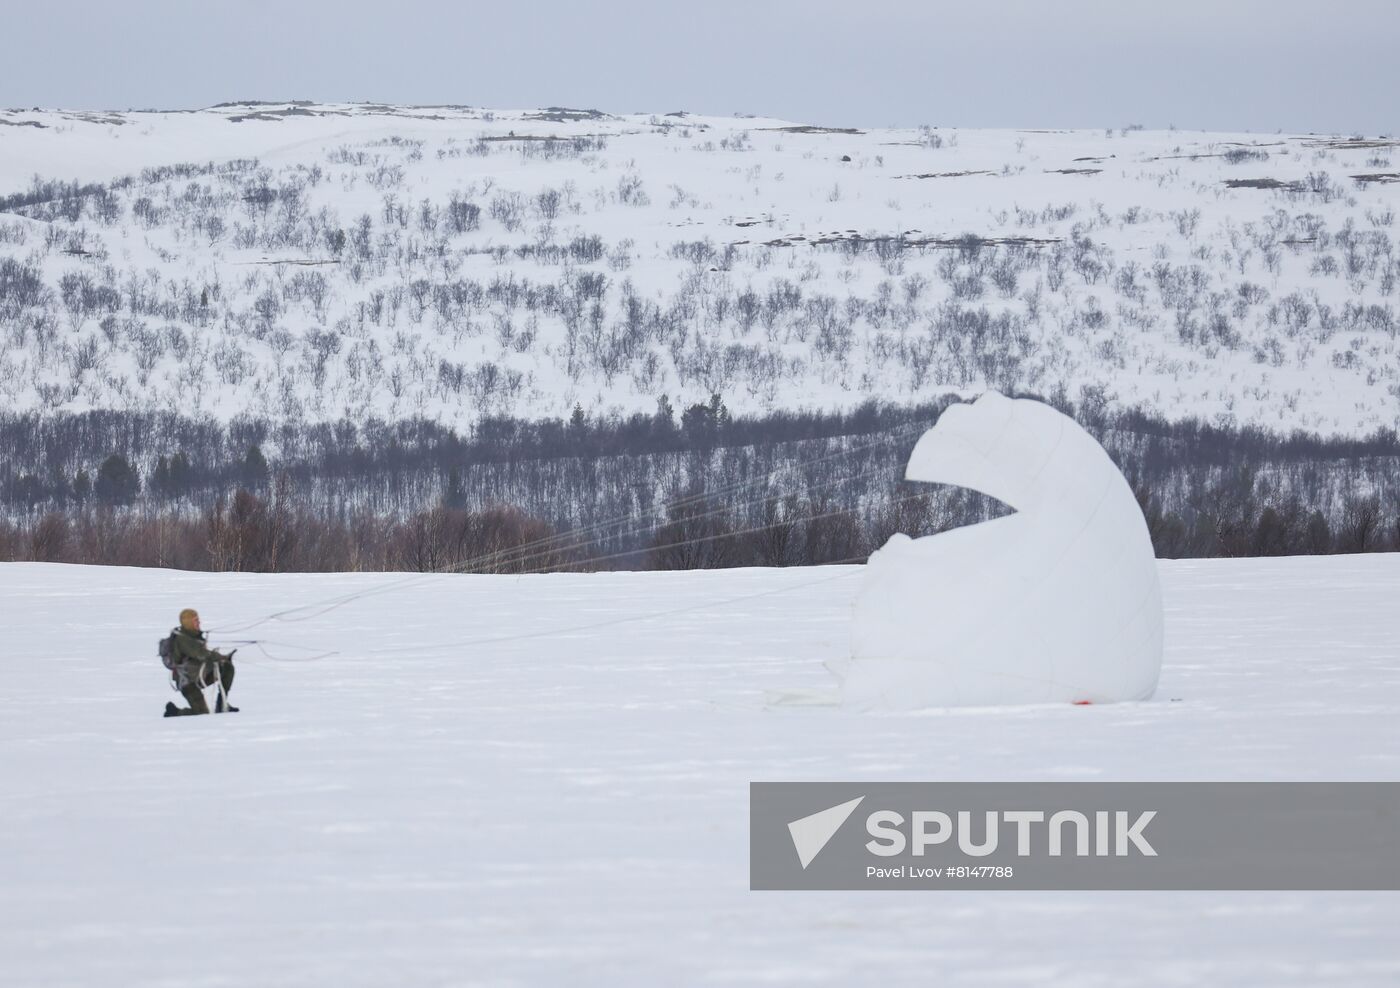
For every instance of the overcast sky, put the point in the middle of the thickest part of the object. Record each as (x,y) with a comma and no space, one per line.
(1256,65)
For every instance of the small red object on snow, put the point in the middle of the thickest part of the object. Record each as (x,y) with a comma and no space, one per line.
(1082,703)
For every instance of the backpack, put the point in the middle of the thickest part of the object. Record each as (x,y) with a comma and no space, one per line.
(165,648)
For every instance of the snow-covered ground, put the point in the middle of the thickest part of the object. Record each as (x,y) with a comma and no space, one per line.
(320,261)
(426,807)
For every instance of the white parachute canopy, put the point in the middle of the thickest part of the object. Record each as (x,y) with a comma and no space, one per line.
(1058,602)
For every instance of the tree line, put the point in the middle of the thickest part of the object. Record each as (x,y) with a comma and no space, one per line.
(698,488)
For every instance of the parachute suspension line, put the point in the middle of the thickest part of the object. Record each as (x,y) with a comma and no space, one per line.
(710,538)
(511,554)
(642,529)
(629,619)
(335,603)
(261,645)
(318,656)
(577,537)
(328,604)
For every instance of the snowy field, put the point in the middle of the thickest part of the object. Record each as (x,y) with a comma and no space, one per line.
(571,808)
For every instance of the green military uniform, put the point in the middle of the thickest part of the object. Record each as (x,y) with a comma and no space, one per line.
(196,665)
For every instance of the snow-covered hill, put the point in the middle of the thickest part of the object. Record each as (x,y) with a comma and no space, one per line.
(301,261)
(545,780)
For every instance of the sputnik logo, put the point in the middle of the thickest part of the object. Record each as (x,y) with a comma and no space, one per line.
(812,833)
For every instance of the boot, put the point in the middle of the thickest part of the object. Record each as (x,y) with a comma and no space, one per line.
(221,706)
(173,711)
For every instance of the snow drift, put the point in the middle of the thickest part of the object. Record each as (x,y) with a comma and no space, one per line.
(1057,602)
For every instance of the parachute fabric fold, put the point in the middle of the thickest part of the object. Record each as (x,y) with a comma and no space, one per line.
(1059,602)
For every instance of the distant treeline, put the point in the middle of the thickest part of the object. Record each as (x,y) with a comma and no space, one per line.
(44,457)
(693,488)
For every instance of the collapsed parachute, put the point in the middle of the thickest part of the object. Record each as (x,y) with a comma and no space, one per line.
(1058,602)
